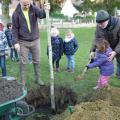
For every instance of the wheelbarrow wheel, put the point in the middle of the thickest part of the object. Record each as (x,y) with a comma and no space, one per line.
(22,107)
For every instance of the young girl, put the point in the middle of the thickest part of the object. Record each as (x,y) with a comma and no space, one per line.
(57,48)
(106,67)
(70,46)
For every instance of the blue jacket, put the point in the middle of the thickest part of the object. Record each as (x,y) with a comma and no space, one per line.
(3,42)
(106,67)
(57,47)
(70,47)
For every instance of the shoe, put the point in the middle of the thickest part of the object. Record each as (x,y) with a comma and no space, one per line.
(40,82)
(57,69)
(96,87)
(118,75)
(68,69)
(72,71)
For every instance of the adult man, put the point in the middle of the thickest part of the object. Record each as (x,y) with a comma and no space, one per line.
(108,28)
(26,36)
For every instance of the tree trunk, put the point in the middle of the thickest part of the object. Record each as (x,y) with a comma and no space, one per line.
(50,60)
(5,10)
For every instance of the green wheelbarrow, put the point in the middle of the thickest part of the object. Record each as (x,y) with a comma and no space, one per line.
(16,109)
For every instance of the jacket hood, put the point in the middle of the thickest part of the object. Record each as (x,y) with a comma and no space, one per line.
(112,23)
(68,39)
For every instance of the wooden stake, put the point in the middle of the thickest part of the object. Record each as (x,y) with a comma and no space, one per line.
(50,59)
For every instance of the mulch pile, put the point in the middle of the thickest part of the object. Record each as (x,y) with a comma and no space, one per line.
(101,104)
(9,90)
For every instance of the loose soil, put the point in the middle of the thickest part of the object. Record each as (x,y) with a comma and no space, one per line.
(9,90)
(101,104)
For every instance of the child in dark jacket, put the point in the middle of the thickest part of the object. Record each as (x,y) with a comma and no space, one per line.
(8,33)
(57,48)
(106,67)
(70,46)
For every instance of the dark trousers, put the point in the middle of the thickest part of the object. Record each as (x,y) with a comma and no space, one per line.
(14,54)
(56,63)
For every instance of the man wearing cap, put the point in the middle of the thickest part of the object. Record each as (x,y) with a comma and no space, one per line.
(108,28)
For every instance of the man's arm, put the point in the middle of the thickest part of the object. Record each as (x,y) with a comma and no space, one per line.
(15,28)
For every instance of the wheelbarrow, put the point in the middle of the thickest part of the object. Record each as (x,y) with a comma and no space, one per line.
(16,109)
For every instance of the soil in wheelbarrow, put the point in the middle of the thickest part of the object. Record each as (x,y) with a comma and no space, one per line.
(9,90)
(101,104)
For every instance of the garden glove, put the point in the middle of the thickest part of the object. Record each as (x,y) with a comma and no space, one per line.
(92,55)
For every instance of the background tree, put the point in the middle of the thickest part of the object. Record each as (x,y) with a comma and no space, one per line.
(5,9)
(95,5)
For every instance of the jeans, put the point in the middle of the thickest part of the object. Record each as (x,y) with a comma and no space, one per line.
(3,65)
(70,60)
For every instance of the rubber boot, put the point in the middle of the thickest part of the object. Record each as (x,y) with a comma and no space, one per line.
(23,73)
(37,74)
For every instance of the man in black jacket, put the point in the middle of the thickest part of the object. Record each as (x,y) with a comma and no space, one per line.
(26,35)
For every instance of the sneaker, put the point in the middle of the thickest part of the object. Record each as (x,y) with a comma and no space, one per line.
(72,71)
(96,87)
(68,69)
(118,75)
(57,69)
(40,82)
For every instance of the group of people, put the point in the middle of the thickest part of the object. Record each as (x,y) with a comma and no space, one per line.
(68,46)
(25,37)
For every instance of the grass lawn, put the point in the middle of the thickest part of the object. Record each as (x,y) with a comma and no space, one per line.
(84,37)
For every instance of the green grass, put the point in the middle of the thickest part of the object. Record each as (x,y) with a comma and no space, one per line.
(84,37)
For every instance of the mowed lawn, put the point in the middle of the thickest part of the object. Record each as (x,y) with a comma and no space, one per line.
(84,37)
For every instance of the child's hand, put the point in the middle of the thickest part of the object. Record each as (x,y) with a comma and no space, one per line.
(87,67)
(92,55)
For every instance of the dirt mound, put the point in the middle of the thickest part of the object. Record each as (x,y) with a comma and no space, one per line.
(9,90)
(101,104)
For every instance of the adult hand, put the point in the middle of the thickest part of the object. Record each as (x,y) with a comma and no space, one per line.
(112,55)
(47,6)
(17,47)
(92,55)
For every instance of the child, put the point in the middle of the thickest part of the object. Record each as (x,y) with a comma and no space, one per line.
(57,48)
(3,48)
(70,46)
(8,33)
(106,67)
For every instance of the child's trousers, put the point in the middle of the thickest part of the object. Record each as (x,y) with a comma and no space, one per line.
(103,81)
(70,60)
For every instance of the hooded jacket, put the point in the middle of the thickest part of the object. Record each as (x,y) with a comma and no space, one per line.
(20,29)
(106,67)
(70,45)
(111,33)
